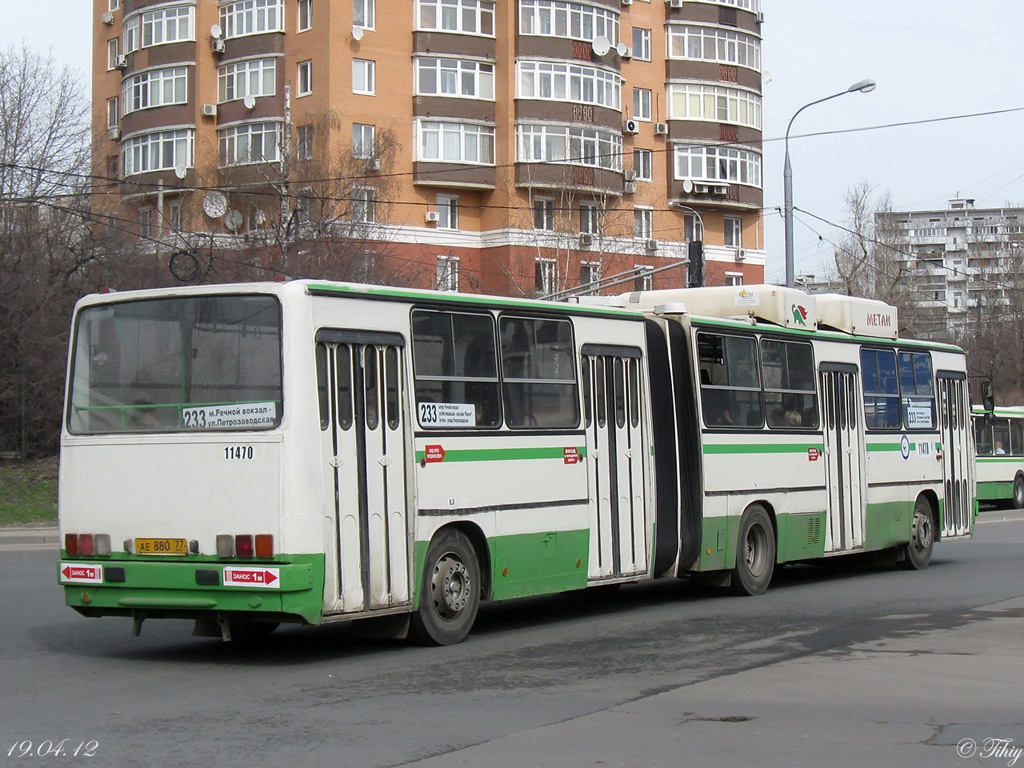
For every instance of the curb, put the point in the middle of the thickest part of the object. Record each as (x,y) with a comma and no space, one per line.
(30,536)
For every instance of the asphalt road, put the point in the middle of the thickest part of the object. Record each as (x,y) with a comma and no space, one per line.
(853,665)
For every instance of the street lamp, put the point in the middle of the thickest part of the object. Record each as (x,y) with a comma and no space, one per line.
(864,86)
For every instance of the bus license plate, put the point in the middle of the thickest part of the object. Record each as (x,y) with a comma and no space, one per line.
(161,546)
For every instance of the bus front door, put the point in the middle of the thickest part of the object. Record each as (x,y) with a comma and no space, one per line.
(954,423)
(619,540)
(362,421)
(844,451)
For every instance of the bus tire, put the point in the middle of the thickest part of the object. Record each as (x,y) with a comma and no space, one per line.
(450,591)
(1018,492)
(917,553)
(755,555)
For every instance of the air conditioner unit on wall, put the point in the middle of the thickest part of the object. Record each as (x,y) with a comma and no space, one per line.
(675,3)
(433,216)
(628,174)
(122,61)
(629,188)
(661,129)
(627,2)
(652,245)
(107,18)
(741,254)
(628,54)
(218,46)
(586,239)
(631,127)
(114,132)
(209,110)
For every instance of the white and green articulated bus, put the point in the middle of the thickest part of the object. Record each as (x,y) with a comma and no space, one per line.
(999,437)
(314,452)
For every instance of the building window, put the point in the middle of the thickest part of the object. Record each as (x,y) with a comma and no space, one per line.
(642,103)
(694,228)
(471,17)
(643,223)
(644,280)
(113,113)
(456,142)
(454,77)
(113,53)
(251,17)
(544,213)
(544,273)
(643,164)
(165,25)
(146,223)
(448,212)
(571,145)
(305,77)
(363,76)
(733,232)
(641,44)
(305,15)
(364,204)
(113,5)
(362,141)
(590,218)
(250,143)
(161,151)
(577,83)
(255,77)
(590,276)
(693,101)
(558,18)
(718,164)
(447,273)
(363,14)
(174,216)
(734,278)
(714,44)
(155,88)
(304,145)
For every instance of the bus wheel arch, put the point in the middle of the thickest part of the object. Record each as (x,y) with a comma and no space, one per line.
(452,584)
(756,551)
(917,552)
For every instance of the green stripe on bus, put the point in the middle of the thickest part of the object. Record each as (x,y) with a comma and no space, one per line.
(747,448)
(506,454)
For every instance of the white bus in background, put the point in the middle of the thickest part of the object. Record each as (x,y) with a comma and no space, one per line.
(999,437)
(313,452)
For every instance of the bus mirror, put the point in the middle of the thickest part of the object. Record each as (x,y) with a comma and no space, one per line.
(988,402)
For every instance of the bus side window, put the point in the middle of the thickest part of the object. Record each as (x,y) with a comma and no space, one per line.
(1016,446)
(321,385)
(983,437)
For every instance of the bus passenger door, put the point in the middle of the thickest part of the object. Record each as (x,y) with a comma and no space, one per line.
(619,540)
(954,423)
(844,451)
(362,383)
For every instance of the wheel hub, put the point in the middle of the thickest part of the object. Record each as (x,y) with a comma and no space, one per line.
(450,586)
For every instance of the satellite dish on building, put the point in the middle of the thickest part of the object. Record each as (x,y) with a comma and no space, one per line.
(215,205)
(622,49)
(233,220)
(260,217)
(601,45)
(249,101)
(687,186)
(357,33)
(216,31)
(180,171)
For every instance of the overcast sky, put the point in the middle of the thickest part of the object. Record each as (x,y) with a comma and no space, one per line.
(932,59)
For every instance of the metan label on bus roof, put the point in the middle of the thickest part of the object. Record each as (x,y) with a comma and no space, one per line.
(864,317)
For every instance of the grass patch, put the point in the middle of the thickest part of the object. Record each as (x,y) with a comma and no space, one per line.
(28,492)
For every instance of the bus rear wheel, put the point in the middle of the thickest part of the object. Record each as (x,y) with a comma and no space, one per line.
(755,557)
(1018,492)
(450,591)
(917,553)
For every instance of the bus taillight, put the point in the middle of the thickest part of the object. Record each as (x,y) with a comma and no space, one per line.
(243,545)
(87,544)
(264,545)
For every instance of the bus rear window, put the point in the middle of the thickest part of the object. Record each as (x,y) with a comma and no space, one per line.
(178,364)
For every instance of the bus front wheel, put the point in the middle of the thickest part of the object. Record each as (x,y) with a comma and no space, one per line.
(755,557)
(917,552)
(450,591)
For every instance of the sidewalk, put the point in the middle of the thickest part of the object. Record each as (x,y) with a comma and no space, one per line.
(36,538)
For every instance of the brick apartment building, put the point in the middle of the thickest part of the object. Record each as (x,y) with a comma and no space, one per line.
(515,148)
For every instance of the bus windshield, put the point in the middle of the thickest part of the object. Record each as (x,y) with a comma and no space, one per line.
(178,364)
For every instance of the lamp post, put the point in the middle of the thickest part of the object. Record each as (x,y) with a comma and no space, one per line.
(864,86)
